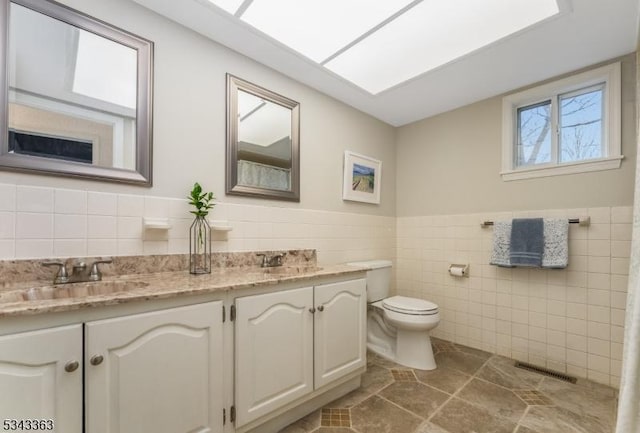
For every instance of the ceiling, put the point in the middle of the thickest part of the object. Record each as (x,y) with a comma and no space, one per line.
(585,32)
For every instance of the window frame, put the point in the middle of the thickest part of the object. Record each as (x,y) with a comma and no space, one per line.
(610,77)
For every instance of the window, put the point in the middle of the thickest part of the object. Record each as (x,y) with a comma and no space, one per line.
(567,126)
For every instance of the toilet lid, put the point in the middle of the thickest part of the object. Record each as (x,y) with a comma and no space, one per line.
(402,304)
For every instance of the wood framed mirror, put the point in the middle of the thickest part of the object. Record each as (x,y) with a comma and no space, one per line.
(77,95)
(263,142)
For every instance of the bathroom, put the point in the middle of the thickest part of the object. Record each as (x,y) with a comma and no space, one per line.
(438,139)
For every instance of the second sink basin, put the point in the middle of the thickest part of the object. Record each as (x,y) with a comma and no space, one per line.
(69,291)
(287,270)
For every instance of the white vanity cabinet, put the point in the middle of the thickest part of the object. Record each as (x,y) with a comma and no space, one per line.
(159,372)
(274,351)
(156,372)
(340,330)
(292,342)
(178,365)
(41,378)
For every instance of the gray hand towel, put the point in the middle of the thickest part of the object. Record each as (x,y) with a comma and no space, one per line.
(527,242)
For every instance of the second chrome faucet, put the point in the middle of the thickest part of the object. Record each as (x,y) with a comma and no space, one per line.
(269,262)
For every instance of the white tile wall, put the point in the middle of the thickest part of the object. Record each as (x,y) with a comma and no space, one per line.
(47,222)
(569,320)
(100,203)
(34,199)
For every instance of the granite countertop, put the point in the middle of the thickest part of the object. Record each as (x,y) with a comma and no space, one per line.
(112,290)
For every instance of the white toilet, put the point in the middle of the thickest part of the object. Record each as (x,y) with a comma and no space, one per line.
(398,327)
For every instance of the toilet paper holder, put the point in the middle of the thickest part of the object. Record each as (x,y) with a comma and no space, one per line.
(459,270)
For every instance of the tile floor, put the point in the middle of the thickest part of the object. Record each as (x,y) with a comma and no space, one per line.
(471,391)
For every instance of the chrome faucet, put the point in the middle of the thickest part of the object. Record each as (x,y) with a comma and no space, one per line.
(79,272)
(269,262)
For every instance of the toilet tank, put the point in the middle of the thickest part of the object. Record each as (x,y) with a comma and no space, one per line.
(378,278)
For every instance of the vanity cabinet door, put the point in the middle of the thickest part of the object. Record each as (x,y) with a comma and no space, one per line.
(41,378)
(340,330)
(273,351)
(157,372)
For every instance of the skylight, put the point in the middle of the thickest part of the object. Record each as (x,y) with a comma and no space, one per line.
(432,34)
(379,44)
(319,28)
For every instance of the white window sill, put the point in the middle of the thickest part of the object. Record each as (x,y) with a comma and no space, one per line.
(567,168)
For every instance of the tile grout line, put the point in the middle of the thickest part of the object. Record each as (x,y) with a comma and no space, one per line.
(526,411)
(524,414)
(377,394)
(434,388)
(509,389)
(458,391)
(398,406)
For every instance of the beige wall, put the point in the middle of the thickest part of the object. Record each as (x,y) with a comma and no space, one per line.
(189,121)
(451,163)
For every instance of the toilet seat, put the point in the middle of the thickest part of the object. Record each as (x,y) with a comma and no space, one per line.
(412,306)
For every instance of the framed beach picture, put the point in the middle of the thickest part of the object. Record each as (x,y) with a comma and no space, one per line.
(362,177)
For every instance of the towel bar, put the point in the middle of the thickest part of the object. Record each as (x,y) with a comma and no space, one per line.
(584,221)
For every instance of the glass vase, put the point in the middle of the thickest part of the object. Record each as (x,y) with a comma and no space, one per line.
(200,247)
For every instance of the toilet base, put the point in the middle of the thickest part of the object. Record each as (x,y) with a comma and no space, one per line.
(413,349)
(408,348)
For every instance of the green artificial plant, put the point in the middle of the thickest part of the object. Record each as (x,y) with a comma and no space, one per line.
(203,201)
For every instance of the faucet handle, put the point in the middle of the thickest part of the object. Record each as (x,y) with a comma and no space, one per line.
(95,274)
(61,276)
(265,260)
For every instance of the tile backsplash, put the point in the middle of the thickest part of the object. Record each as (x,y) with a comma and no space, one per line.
(37,222)
(569,320)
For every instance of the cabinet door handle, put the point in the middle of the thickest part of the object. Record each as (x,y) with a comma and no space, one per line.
(312,310)
(71,366)
(96,359)
(321,308)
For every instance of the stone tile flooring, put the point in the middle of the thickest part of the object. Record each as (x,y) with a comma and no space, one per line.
(471,391)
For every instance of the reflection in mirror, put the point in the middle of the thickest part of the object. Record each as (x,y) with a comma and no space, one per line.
(79,104)
(262,142)
(78,95)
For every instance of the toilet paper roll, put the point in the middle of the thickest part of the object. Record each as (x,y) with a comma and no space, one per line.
(457,271)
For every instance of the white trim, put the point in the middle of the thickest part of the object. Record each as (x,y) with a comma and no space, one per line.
(610,75)
(566,168)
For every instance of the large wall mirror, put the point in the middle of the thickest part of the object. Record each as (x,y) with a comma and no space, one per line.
(262,142)
(77,95)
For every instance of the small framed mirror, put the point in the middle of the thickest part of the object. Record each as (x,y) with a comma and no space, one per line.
(76,97)
(263,142)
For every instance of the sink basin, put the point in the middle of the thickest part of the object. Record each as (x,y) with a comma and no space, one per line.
(70,291)
(287,270)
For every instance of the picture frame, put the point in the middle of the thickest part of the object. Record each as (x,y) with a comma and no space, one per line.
(362,177)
